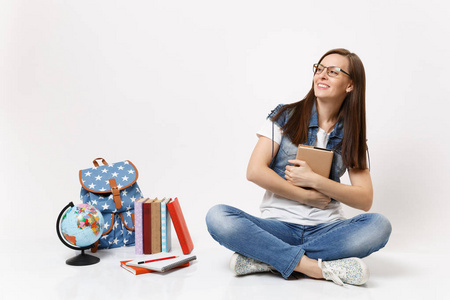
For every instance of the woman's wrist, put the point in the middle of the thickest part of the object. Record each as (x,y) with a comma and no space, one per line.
(304,195)
(316,181)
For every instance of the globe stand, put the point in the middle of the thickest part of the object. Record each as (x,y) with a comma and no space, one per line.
(82,259)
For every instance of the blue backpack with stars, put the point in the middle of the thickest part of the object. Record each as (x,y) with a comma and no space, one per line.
(112,189)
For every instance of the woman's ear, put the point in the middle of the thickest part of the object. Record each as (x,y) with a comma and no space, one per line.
(349,87)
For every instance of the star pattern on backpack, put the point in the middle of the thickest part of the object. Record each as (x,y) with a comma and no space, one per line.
(97,178)
(96,190)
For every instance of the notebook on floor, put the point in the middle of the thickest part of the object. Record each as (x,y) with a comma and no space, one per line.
(159,263)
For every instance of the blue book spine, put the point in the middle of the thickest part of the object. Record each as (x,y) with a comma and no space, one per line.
(166,239)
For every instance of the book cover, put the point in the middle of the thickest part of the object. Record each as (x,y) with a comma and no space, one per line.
(147,225)
(138,234)
(163,265)
(180,226)
(134,270)
(166,228)
(138,270)
(156,226)
(319,159)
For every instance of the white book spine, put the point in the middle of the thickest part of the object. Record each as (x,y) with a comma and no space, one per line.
(138,231)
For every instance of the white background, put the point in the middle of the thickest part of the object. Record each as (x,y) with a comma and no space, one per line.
(180,88)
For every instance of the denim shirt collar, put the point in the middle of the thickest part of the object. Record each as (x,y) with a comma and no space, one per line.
(338,130)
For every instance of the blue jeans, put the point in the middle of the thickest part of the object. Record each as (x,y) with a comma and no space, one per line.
(282,245)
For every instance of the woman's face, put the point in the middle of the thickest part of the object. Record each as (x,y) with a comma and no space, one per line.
(327,87)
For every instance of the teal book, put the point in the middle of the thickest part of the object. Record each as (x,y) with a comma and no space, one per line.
(166,227)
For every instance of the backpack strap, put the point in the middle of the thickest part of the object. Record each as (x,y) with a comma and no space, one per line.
(95,247)
(116,193)
(96,163)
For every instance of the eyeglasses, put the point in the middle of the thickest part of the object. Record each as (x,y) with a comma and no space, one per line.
(331,71)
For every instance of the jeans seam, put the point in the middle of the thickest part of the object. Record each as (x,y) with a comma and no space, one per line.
(291,266)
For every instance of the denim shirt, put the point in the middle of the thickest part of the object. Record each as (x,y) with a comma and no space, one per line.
(288,150)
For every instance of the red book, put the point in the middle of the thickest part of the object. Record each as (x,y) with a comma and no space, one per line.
(180,226)
(147,226)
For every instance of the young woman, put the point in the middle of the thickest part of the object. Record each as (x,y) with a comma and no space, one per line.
(301,227)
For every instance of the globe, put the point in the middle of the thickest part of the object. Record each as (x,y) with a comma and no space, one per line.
(82,225)
(79,227)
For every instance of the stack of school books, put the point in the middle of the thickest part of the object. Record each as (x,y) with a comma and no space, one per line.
(153,221)
(153,226)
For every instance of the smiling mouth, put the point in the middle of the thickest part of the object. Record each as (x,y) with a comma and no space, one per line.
(321,85)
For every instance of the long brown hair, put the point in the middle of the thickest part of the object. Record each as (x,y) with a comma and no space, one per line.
(352,113)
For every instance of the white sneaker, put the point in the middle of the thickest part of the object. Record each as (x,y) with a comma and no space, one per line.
(348,270)
(242,265)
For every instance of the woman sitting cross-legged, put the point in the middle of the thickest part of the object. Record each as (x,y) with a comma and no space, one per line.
(302,227)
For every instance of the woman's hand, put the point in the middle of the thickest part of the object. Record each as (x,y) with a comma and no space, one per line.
(258,171)
(300,174)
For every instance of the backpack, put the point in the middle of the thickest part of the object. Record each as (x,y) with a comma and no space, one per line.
(112,189)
